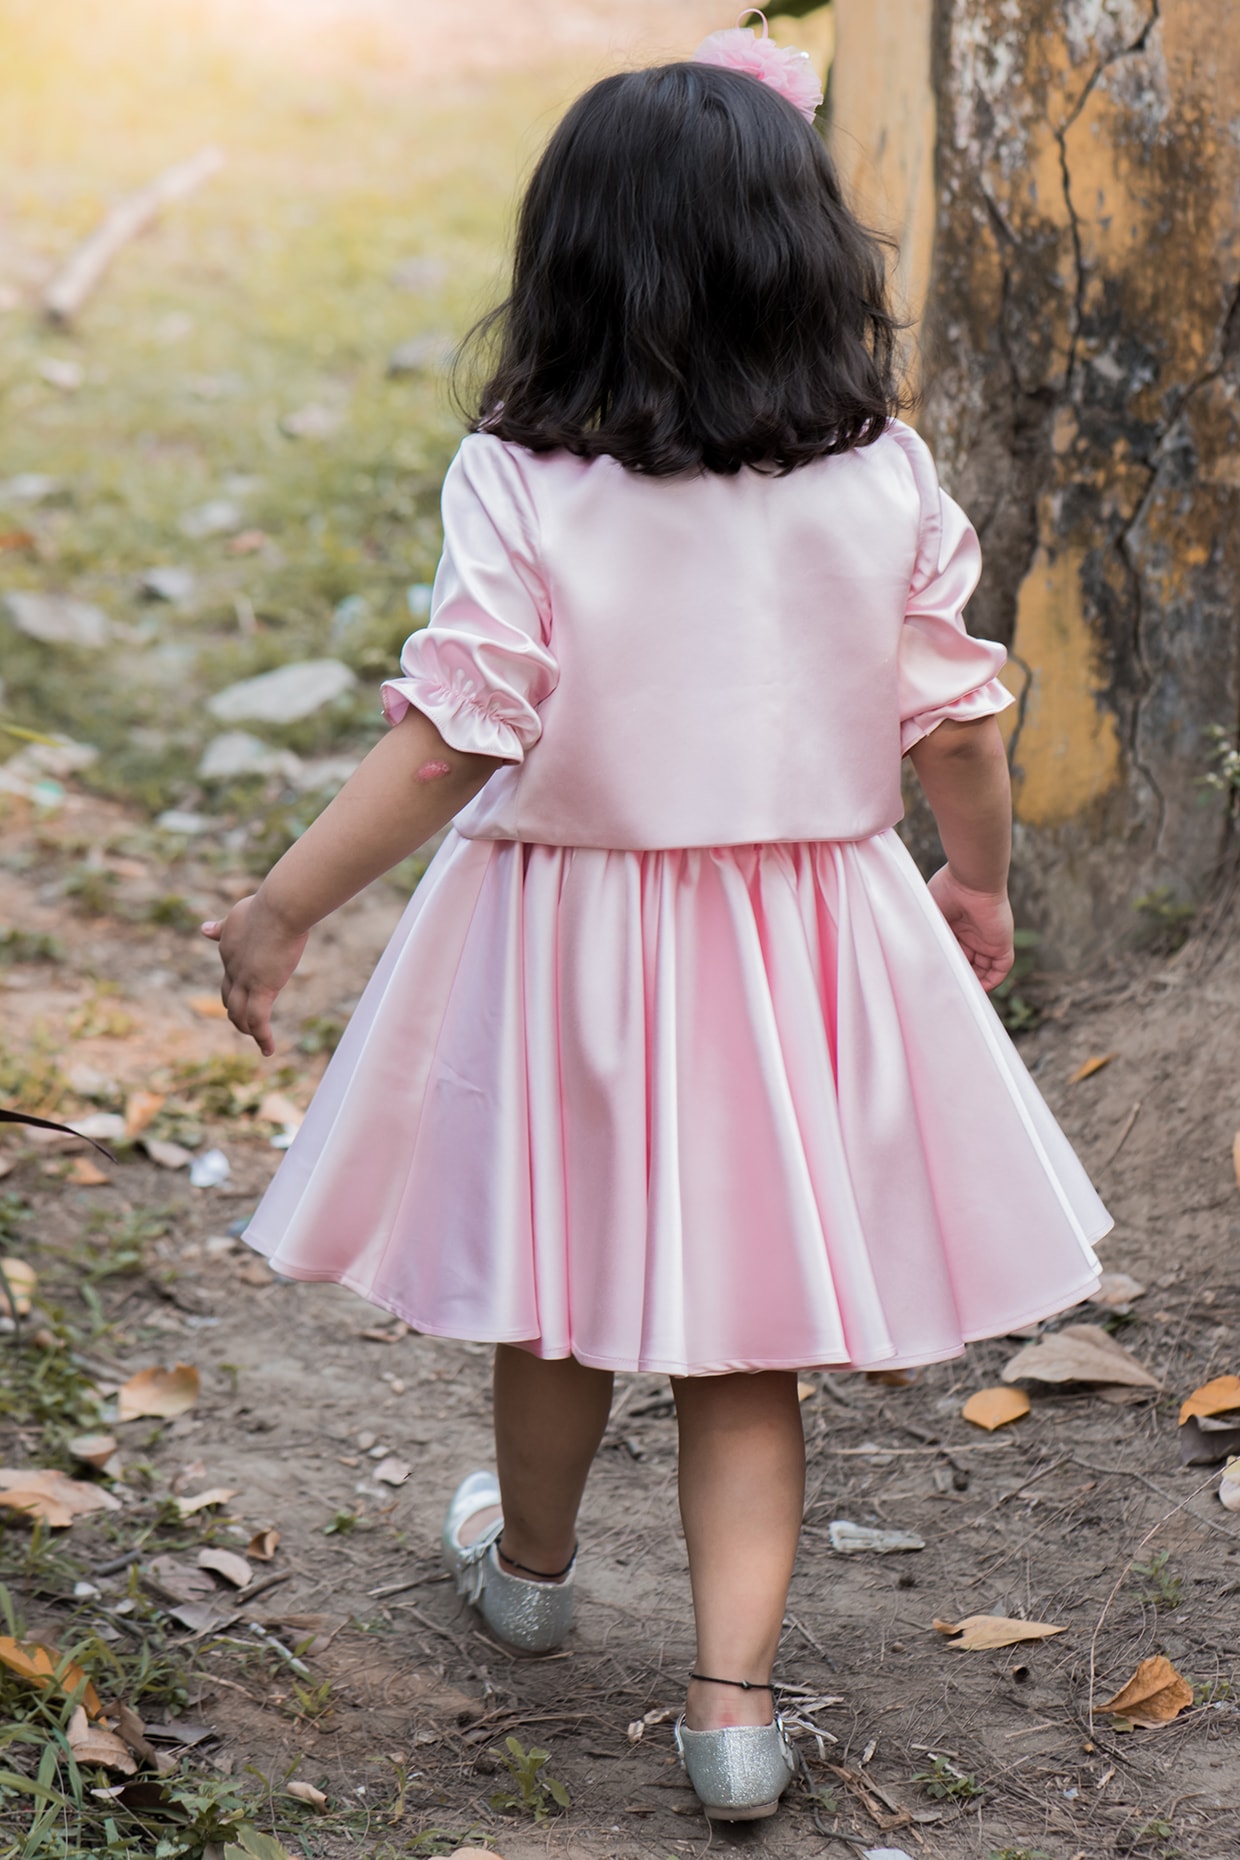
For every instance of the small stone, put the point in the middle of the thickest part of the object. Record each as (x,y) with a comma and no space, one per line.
(315,421)
(180,820)
(418,599)
(28,487)
(285,695)
(210,1169)
(236,755)
(59,758)
(324,774)
(848,1538)
(423,355)
(168,584)
(59,619)
(215,518)
(61,371)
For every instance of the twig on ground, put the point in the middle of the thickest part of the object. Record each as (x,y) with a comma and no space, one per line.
(86,265)
(1124,1135)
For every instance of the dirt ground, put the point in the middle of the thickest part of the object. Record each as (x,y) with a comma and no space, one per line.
(406,1700)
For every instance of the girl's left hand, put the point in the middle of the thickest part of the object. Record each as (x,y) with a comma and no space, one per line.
(259,953)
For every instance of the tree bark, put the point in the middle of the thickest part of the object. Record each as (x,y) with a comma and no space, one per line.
(1080,358)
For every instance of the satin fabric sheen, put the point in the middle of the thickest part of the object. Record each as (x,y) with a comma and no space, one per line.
(672,1063)
(694,1111)
(705,661)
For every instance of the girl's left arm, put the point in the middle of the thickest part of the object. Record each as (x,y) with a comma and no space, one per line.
(409,786)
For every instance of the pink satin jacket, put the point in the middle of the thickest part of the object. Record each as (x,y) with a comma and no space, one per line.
(698,661)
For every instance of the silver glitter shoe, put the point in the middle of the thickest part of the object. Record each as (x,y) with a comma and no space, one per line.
(740,1772)
(534,1616)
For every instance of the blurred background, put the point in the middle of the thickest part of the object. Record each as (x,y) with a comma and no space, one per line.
(228,458)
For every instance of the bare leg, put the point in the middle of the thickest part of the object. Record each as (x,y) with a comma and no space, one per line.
(742,1490)
(549,1420)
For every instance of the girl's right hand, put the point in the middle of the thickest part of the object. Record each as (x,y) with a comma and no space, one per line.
(981,922)
(259,953)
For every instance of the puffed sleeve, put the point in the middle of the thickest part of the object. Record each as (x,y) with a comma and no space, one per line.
(944,671)
(481,666)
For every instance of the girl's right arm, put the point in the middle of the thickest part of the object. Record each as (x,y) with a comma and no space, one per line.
(963,770)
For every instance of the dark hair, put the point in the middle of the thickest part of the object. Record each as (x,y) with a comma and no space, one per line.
(689,290)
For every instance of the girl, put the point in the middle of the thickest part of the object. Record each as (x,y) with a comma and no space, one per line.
(675,1063)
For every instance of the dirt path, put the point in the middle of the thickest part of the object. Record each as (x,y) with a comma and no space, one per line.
(305,1391)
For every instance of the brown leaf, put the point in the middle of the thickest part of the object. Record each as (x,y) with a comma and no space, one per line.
(1078,1353)
(130,1728)
(180,1582)
(94,1743)
(140,1108)
(52,1495)
(991,1408)
(277,1109)
(218,1495)
(33,1661)
(83,1173)
(1117,1291)
(1093,1064)
(93,1449)
(1220,1396)
(229,1565)
(893,1378)
(160,1392)
(208,1007)
(263,1545)
(255,1271)
(1154,1695)
(306,1792)
(22,1280)
(977,1632)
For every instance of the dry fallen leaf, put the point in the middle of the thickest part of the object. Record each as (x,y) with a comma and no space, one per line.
(208,1007)
(1117,1291)
(129,1727)
(160,1392)
(140,1108)
(392,1471)
(991,1408)
(22,1280)
(255,1271)
(94,1743)
(1154,1695)
(263,1545)
(229,1565)
(181,1582)
(893,1378)
(218,1495)
(83,1173)
(306,1792)
(805,1390)
(93,1449)
(52,1495)
(1093,1064)
(977,1632)
(1078,1353)
(37,1663)
(1229,1486)
(277,1109)
(1220,1396)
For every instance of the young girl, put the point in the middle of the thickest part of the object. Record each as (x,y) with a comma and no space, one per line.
(675,1063)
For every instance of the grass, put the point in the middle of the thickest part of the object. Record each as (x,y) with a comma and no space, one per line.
(270,289)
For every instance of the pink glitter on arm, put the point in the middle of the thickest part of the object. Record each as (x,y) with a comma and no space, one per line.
(433,771)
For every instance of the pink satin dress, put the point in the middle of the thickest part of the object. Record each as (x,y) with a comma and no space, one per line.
(672,1063)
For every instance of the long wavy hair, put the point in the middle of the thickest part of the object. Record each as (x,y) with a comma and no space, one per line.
(689,290)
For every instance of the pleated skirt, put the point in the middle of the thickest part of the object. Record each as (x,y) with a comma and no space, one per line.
(730,1108)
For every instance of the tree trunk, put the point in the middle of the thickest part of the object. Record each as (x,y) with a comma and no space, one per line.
(1076,261)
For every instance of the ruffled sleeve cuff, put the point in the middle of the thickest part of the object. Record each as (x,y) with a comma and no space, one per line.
(479,694)
(985,701)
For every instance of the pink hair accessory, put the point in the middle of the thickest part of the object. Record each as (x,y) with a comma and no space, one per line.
(785,69)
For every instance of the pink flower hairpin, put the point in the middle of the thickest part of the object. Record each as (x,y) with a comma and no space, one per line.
(785,69)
